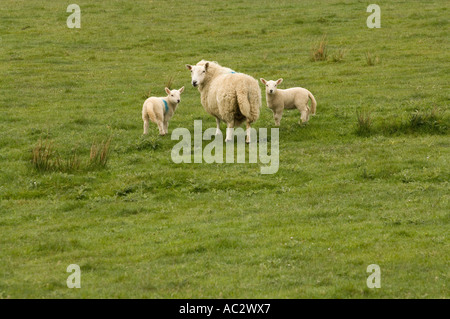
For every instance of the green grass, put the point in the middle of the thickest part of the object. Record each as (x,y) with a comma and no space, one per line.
(142,226)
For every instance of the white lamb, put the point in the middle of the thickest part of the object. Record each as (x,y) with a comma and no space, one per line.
(278,100)
(160,110)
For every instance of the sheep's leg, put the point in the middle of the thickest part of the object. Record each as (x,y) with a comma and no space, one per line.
(218,131)
(161,128)
(247,138)
(230,128)
(277,116)
(166,127)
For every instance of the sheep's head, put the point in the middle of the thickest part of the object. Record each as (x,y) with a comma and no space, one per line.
(174,95)
(271,86)
(198,73)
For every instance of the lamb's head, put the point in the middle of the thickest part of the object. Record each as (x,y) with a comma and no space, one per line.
(271,86)
(174,96)
(198,73)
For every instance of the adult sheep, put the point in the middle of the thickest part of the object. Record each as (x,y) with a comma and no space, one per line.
(228,96)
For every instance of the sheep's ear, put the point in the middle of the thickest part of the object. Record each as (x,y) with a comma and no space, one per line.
(206,65)
(167,90)
(263,81)
(189,67)
(181,90)
(279,81)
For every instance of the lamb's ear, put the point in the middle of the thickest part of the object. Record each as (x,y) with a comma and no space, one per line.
(279,81)
(189,67)
(167,90)
(206,65)
(263,81)
(181,90)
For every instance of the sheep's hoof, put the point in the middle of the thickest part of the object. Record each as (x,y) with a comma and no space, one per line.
(227,141)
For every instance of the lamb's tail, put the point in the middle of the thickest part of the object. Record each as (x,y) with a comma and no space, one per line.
(249,101)
(313,103)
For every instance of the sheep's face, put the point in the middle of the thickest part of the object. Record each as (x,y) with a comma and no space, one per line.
(198,73)
(174,96)
(271,86)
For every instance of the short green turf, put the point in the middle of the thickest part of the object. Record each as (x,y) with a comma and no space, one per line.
(145,227)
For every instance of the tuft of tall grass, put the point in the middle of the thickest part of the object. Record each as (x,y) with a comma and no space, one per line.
(99,155)
(71,164)
(339,55)
(169,82)
(319,51)
(43,156)
(429,121)
(372,59)
(419,122)
(364,123)
(46,159)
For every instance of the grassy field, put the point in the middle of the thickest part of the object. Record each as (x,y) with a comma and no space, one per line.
(365,182)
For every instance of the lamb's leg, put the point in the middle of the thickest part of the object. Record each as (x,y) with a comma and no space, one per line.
(145,126)
(161,128)
(146,119)
(277,114)
(304,114)
(166,127)
(218,131)
(230,127)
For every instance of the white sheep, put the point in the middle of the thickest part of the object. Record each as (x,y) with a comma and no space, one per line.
(278,100)
(160,110)
(228,96)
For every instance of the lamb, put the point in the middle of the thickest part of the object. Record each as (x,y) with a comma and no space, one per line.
(278,100)
(160,110)
(228,96)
